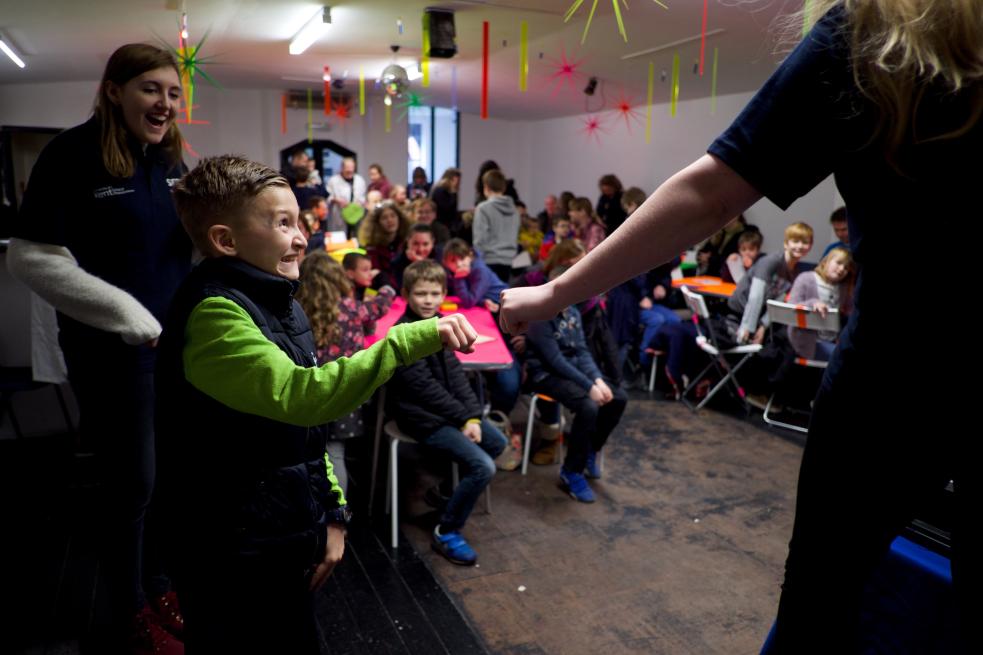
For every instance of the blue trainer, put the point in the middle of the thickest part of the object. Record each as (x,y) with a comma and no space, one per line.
(576,485)
(592,470)
(453,546)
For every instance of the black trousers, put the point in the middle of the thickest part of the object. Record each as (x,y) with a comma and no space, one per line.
(592,424)
(873,454)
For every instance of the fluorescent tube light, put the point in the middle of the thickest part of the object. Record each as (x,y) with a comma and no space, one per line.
(10,53)
(310,32)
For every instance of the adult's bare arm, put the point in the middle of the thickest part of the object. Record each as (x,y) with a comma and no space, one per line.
(691,205)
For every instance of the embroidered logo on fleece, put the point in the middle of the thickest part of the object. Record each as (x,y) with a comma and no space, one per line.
(110,191)
(171,181)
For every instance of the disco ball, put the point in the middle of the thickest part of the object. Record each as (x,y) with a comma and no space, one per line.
(394,80)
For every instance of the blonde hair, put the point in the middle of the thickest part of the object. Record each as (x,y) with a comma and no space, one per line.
(799,232)
(835,253)
(129,61)
(901,47)
(217,191)
(323,284)
(370,234)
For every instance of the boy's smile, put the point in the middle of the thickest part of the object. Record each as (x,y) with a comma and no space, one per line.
(269,236)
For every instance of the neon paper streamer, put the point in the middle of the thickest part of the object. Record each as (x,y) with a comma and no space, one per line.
(648,110)
(361,92)
(703,37)
(523,56)
(590,16)
(621,23)
(310,117)
(425,55)
(484,72)
(675,85)
(389,118)
(283,113)
(713,84)
(454,88)
(327,90)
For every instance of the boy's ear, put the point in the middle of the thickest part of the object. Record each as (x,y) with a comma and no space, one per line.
(222,241)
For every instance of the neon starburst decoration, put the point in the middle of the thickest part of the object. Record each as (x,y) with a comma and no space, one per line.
(410,99)
(343,110)
(190,63)
(565,71)
(626,107)
(592,128)
(617,14)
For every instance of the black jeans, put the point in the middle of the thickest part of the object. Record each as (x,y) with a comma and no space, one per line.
(116,408)
(592,424)
(503,271)
(867,464)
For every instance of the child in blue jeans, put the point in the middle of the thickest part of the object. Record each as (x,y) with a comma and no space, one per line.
(434,403)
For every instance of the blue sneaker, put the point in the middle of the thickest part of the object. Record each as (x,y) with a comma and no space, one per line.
(453,546)
(592,470)
(576,485)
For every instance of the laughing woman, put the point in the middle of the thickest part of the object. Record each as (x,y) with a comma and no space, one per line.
(106,249)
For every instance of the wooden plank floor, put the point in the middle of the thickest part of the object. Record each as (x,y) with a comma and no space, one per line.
(682,553)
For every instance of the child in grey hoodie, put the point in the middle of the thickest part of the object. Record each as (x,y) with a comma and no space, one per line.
(495,228)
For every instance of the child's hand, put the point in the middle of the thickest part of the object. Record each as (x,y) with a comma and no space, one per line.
(492,306)
(473,432)
(659,292)
(333,553)
(519,343)
(596,395)
(456,333)
(645,303)
(821,308)
(742,336)
(605,390)
(759,336)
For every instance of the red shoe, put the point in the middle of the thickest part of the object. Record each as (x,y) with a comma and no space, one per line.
(149,638)
(169,613)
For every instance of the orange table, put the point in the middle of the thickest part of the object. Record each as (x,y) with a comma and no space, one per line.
(707,285)
(491,355)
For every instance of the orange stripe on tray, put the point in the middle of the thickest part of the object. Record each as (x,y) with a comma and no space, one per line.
(800,316)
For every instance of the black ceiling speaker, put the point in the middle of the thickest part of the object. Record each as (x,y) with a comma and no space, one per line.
(442,33)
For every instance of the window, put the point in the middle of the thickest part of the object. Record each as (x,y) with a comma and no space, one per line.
(432,142)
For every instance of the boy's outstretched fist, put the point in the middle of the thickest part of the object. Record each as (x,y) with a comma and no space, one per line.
(456,333)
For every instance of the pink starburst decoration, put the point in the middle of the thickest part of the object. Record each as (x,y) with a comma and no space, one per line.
(565,71)
(343,110)
(626,107)
(592,128)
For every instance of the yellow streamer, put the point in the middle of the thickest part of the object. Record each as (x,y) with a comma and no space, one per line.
(675,85)
(389,118)
(425,55)
(361,92)
(648,110)
(523,56)
(713,84)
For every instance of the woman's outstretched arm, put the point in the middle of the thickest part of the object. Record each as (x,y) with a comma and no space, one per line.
(691,205)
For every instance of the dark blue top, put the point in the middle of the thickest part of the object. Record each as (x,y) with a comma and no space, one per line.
(810,120)
(480,285)
(557,347)
(125,231)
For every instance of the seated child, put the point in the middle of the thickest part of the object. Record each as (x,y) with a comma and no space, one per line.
(469,278)
(769,279)
(434,403)
(826,287)
(358,269)
(740,262)
(339,323)
(530,236)
(561,231)
(559,364)
(247,499)
(383,234)
(420,244)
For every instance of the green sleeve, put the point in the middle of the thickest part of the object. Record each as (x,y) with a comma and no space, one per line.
(336,490)
(227,358)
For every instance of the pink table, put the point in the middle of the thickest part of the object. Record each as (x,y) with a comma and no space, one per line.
(488,356)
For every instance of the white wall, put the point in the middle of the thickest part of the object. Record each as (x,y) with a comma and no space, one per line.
(241,121)
(555,155)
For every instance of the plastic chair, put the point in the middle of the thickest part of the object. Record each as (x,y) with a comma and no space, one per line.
(655,355)
(709,344)
(805,318)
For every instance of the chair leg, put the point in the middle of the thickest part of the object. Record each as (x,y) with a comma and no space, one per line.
(788,426)
(692,385)
(394,491)
(731,372)
(600,461)
(527,445)
(655,367)
(379,419)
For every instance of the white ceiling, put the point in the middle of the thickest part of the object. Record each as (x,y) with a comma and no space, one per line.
(65,40)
